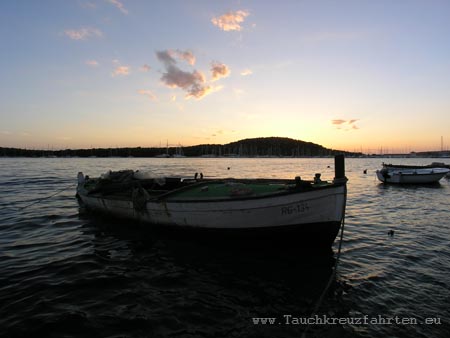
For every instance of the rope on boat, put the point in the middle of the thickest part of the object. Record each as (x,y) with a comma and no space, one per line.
(47,197)
(333,273)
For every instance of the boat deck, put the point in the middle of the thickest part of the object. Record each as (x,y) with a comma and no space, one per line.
(221,190)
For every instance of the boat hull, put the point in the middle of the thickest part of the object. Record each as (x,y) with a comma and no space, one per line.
(311,216)
(410,176)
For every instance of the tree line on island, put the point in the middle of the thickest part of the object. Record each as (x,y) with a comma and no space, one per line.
(254,147)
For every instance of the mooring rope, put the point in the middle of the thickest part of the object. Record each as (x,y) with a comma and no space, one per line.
(43,198)
(333,273)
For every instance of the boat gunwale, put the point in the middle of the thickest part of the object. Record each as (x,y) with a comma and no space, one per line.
(249,197)
(164,198)
(402,173)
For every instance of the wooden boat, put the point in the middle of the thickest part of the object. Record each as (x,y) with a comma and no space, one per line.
(409,174)
(256,208)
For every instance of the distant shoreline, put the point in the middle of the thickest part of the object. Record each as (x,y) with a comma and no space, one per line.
(263,147)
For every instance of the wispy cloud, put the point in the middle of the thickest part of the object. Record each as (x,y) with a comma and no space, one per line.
(92,63)
(345,125)
(246,72)
(219,70)
(83,33)
(230,21)
(148,93)
(119,5)
(193,83)
(121,70)
(145,68)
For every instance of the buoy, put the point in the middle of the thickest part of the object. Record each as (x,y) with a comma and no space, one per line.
(365,171)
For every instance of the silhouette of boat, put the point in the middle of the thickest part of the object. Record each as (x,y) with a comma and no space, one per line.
(268,208)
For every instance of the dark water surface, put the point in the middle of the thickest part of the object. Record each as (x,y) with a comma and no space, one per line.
(65,273)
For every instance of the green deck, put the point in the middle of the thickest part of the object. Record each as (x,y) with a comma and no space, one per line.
(227,190)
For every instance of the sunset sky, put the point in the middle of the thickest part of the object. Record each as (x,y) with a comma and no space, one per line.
(350,75)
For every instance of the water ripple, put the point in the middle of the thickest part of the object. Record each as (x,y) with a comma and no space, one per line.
(64,273)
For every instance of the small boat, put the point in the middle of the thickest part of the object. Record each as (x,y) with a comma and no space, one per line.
(407,166)
(409,174)
(251,208)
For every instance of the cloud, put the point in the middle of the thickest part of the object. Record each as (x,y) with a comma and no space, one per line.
(230,21)
(145,68)
(186,56)
(121,70)
(92,63)
(83,33)
(193,83)
(345,125)
(219,70)
(119,5)
(148,93)
(246,72)
(169,56)
(165,57)
(338,121)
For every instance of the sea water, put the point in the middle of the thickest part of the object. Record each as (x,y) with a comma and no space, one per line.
(67,273)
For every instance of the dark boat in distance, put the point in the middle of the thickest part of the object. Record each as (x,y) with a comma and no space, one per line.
(308,213)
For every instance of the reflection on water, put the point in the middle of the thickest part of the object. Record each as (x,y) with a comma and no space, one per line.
(65,273)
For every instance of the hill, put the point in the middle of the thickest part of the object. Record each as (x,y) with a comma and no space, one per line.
(253,147)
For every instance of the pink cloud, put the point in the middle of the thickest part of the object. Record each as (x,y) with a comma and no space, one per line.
(193,83)
(165,57)
(186,56)
(338,121)
(92,63)
(119,5)
(121,70)
(246,72)
(145,68)
(83,33)
(219,70)
(230,21)
(148,93)
(169,56)
(345,125)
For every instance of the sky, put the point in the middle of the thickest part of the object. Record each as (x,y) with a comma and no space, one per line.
(359,75)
